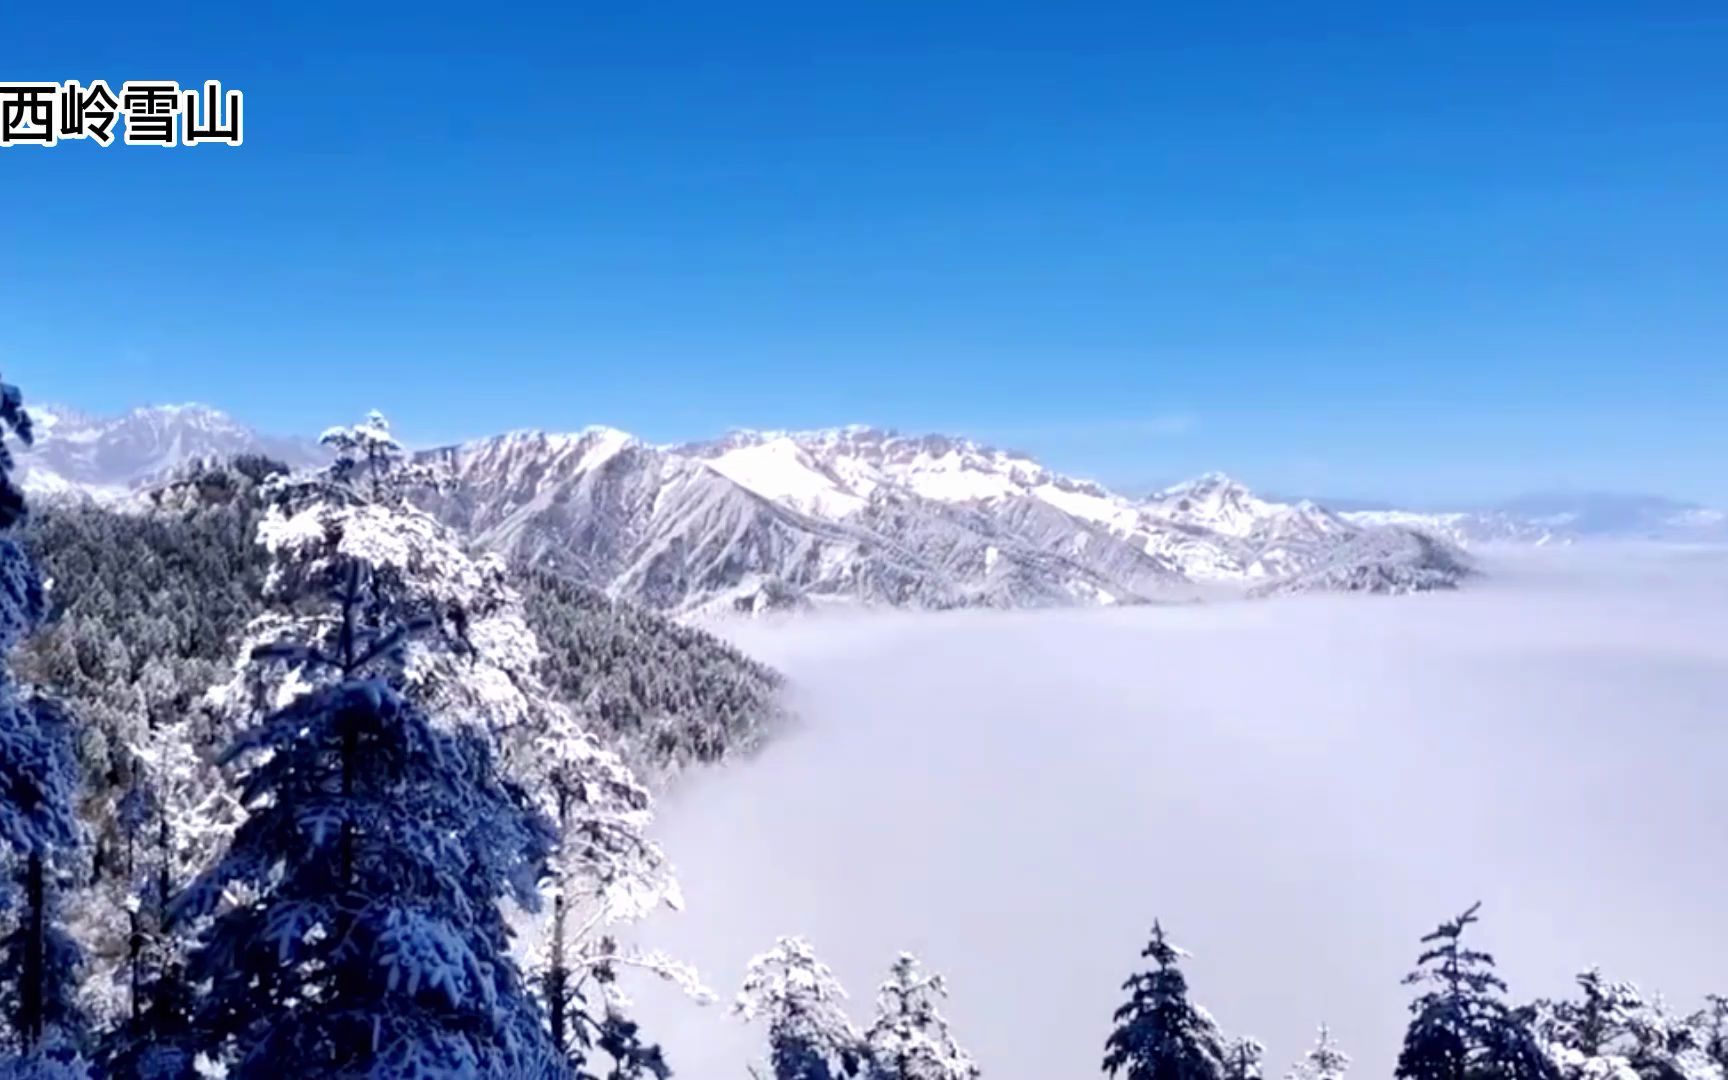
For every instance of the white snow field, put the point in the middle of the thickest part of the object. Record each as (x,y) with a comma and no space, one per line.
(1299,789)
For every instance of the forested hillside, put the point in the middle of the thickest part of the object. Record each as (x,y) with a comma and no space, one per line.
(665,693)
(150,610)
(147,608)
(290,713)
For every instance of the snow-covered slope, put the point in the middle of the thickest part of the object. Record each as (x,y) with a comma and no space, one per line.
(767,527)
(760,520)
(1214,502)
(771,519)
(1465,527)
(108,458)
(1386,560)
(1210,530)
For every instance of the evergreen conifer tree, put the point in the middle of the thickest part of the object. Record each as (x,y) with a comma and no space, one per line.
(603,870)
(620,1038)
(1591,1036)
(372,460)
(1324,1061)
(910,1039)
(1461,1028)
(1242,1059)
(39,831)
(810,1037)
(172,820)
(1713,1030)
(476,665)
(367,937)
(1160,1034)
(1661,1045)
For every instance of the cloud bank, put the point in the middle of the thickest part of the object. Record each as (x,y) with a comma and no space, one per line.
(1298,789)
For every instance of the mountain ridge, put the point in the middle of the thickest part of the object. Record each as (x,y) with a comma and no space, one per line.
(108,458)
(757,520)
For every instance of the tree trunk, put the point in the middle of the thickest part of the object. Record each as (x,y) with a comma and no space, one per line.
(164,999)
(135,936)
(32,996)
(557,971)
(558,978)
(355,1042)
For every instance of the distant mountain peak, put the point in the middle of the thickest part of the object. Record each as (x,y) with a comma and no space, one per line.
(756,520)
(109,457)
(1206,482)
(545,437)
(182,408)
(855,437)
(49,415)
(1214,501)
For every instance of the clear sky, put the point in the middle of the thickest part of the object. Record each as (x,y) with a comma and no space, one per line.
(1423,250)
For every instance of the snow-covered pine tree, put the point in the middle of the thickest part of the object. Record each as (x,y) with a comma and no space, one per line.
(810,1037)
(587,1010)
(39,960)
(1160,1034)
(370,457)
(1242,1059)
(1589,1038)
(1461,1028)
(1323,1061)
(909,1039)
(604,871)
(1713,1030)
(620,1038)
(1666,1046)
(39,831)
(477,662)
(356,925)
(174,820)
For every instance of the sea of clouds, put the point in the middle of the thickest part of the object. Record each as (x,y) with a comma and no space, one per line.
(1298,789)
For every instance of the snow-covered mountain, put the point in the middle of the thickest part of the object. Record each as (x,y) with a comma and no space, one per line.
(668,527)
(1594,514)
(1564,517)
(762,519)
(768,519)
(1391,560)
(108,458)
(1467,528)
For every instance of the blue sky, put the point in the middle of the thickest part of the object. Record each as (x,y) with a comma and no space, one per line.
(1429,251)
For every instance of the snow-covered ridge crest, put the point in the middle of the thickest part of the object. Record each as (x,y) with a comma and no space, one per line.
(855,461)
(764,519)
(756,520)
(110,458)
(1216,501)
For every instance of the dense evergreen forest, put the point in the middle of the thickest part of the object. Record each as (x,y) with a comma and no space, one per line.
(294,784)
(668,694)
(147,609)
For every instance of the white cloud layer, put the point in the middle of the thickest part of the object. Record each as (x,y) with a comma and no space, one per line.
(1298,789)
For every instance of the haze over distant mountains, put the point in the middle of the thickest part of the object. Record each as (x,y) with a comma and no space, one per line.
(109,457)
(762,520)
